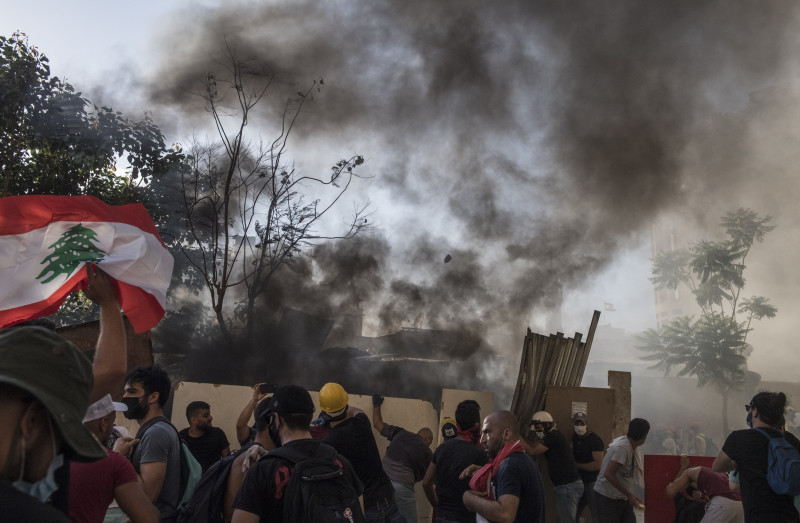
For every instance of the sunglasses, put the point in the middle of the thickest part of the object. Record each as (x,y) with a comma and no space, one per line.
(748,407)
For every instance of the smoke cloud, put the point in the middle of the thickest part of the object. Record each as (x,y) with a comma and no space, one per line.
(532,141)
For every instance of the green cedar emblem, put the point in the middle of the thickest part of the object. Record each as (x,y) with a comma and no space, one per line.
(73,248)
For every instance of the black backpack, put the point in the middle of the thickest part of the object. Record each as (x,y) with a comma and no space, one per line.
(318,491)
(206,503)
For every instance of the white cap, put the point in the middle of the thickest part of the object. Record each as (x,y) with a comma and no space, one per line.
(103,407)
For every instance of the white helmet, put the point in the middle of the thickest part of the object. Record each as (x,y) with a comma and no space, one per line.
(545,419)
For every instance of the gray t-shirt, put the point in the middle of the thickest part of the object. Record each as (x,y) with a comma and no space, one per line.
(160,444)
(623,453)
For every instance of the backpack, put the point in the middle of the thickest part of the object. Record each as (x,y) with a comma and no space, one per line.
(209,494)
(318,491)
(190,468)
(783,466)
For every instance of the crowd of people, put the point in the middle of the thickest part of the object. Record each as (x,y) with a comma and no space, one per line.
(62,458)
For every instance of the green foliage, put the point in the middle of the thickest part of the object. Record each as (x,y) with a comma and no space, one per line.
(54,141)
(74,247)
(713,347)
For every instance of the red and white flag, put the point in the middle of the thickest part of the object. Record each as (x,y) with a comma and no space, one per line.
(46,241)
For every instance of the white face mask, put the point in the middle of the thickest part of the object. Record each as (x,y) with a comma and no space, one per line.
(44,488)
(580,430)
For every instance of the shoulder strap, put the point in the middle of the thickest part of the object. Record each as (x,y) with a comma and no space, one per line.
(765,433)
(152,422)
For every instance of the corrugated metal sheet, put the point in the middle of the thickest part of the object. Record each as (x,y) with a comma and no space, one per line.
(549,360)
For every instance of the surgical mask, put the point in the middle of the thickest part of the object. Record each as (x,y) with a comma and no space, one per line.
(749,419)
(135,408)
(43,488)
(540,434)
(580,430)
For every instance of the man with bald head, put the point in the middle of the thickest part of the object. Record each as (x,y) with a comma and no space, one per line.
(406,460)
(510,487)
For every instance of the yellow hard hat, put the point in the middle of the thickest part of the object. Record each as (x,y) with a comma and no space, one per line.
(332,397)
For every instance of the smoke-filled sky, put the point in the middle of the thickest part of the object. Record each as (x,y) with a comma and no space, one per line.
(535,142)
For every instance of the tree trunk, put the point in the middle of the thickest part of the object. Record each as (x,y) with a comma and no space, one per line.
(724,415)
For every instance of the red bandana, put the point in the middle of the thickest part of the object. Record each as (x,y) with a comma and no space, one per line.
(482,479)
(472,434)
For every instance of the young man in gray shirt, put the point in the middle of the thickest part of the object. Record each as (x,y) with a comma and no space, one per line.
(157,457)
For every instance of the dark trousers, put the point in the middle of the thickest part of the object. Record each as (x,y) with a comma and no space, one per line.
(614,510)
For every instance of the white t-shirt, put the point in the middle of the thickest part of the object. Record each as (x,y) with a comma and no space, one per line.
(623,453)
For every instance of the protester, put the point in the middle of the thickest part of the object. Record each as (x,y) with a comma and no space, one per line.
(245,433)
(93,486)
(587,449)
(724,505)
(156,457)
(615,500)
(747,450)
(567,484)
(444,487)
(248,456)
(44,391)
(207,443)
(288,415)
(448,428)
(406,460)
(350,433)
(510,487)
(110,361)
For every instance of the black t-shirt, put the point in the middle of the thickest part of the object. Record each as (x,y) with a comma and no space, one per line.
(582,448)
(451,458)
(749,448)
(407,457)
(18,507)
(264,484)
(519,476)
(353,439)
(207,449)
(560,463)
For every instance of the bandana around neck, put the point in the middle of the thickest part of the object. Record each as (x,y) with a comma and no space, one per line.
(482,479)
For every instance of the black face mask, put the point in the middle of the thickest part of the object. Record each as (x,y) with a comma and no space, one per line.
(135,408)
(273,434)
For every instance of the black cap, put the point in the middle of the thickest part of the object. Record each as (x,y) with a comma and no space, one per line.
(290,399)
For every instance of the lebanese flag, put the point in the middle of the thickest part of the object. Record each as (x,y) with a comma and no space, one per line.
(46,241)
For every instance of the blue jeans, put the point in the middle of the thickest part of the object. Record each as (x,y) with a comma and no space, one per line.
(567,497)
(588,499)
(406,502)
(385,511)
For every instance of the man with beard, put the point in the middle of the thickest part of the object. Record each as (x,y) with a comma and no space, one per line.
(262,495)
(510,487)
(157,457)
(93,486)
(44,391)
(444,487)
(208,443)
